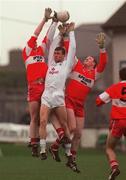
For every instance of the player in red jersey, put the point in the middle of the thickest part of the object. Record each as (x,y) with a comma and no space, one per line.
(79,85)
(117,95)
(36,69)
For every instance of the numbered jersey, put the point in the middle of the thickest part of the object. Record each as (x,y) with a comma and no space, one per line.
(117,94)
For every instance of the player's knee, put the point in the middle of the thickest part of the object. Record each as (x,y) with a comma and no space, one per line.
(35,119)
(43,122)
(72,129)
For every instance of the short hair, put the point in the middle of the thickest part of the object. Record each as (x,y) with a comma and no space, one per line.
(122,73)
(60,48)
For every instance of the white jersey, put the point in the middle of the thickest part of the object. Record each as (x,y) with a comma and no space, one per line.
(57,73)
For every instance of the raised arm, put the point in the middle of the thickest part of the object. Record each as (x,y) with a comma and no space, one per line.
(103,55)
(39,28)
(49,37)
(31,44)
(51,31)
(55,43)
(72,47)
(65,42)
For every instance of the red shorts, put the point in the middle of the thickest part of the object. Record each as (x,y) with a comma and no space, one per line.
(35,91)
(76,105)
(118,127)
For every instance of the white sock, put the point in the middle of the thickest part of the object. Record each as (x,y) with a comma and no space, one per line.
(67,149)
(42,145)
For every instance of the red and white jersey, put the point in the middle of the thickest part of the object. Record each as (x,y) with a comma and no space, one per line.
(117,94)
(82,80)
(34,59)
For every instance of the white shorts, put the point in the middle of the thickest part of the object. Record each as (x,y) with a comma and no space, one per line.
(53,100)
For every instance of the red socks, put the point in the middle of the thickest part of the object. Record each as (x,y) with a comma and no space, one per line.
(35,141)
(74,153)
(114,164)
(55,145)
(60,132)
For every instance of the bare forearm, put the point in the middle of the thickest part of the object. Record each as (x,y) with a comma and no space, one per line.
(39,27)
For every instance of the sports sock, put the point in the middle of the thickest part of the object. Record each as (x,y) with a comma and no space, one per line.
(60,132)
(42,145)
(34,141)
(114,164)
(67,149)
(55,145)
(74,153)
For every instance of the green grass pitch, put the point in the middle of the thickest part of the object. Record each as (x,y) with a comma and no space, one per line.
(16,163)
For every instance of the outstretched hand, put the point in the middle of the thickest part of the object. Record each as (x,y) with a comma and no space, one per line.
(47,14)
(54,17)
(62,29)
(71,27)
(100,39)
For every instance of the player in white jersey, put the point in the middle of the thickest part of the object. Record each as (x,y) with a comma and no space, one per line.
(53,96)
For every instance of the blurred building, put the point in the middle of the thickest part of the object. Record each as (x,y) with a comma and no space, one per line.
(115,27)
(12,77)
(13,88)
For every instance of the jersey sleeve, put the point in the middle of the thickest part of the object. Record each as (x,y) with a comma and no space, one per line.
(54,44)
(71,51)
(99,101)
(102,63)
(29,46)
(49,37)
(111,90)
(32,42)
(66,44)
(105,97)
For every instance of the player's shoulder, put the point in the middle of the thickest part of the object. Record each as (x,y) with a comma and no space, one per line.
(79,62)
(120,84)
(115,86)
